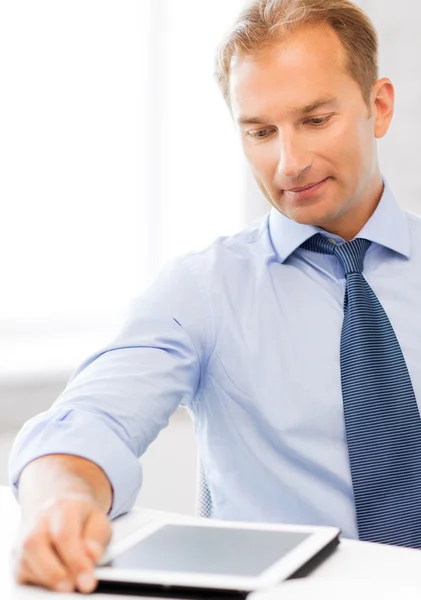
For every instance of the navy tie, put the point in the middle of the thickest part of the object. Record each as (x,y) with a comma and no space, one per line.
(382,418)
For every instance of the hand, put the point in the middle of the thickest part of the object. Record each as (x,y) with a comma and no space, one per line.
(60,544)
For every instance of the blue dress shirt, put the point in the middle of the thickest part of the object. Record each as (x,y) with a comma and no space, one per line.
(245,334)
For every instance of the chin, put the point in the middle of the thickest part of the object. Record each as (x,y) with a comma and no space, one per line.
(309,216)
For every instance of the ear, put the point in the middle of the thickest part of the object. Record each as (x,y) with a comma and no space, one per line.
(383,105)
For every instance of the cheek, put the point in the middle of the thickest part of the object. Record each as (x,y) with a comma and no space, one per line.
(349,146)
(262,160)
(263,166)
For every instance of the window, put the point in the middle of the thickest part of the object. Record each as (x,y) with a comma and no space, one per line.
(117,153)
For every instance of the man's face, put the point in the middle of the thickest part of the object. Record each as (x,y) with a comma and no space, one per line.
(304,122)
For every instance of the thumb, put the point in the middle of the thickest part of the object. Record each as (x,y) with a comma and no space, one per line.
(96,535)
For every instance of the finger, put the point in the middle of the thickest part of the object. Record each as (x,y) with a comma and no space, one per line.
(94,549)
(23,572)
(27,575)
(36,559)
(97,534)
(48,570)
(65,529)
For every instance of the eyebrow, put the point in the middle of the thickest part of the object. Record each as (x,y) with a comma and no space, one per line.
(303,110)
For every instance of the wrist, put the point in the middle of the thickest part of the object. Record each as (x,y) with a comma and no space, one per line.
(56,476)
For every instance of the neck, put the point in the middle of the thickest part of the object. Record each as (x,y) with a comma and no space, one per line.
(350,224)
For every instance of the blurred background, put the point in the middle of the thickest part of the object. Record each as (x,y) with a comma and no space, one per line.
(117,153)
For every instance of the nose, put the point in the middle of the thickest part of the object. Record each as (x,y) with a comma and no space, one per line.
(294,159)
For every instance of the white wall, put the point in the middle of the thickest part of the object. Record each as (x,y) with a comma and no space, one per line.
(400,59)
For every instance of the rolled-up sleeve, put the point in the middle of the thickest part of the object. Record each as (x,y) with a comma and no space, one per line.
(119,399)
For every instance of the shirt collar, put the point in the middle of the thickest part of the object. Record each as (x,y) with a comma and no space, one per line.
(388,226)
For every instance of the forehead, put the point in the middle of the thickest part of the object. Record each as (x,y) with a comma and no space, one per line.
(309,64)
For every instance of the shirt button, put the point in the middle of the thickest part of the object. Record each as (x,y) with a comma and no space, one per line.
(332,241)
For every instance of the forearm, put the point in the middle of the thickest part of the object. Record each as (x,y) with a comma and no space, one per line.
(58,474)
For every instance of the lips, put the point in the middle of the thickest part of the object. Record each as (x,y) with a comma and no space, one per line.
(306,187)
(306,193)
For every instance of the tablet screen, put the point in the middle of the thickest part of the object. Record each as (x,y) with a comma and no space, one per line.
(209,550)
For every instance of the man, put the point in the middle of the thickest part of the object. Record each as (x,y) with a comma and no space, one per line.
(295,344)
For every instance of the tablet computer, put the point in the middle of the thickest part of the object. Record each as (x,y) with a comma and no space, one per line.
(212,555)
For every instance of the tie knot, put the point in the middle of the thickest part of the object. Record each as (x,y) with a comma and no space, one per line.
(351,255)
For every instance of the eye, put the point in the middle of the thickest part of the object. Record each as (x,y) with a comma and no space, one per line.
(317,121)
(261,134)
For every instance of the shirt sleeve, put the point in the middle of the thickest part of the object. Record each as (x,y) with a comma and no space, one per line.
(119,399)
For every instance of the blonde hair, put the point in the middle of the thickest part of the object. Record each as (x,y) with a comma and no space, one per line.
(266,22)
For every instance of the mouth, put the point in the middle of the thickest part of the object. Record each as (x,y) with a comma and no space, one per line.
(301,193)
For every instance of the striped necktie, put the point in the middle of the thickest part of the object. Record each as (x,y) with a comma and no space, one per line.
(382,419)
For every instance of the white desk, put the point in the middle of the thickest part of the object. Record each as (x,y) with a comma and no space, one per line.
(352,560)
